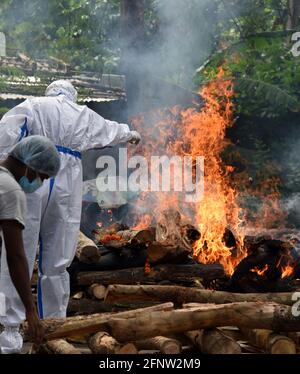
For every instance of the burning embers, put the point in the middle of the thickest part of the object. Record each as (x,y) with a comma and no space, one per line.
(270,265)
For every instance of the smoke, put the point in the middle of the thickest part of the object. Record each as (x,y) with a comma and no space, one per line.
(183,39)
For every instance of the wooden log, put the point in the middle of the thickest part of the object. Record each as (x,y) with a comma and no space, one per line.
(165,323)
(148,352)
(128,349)
(213,341)
(118,239)
(170,230)
(295,336)
(161,343)
(135,237)
(185,274)
(87,251)
(62,347)
(88,306)
(103,343)
(270,341)
(97,290)
(180,295)
(81,325)
(250,315)
(170,253)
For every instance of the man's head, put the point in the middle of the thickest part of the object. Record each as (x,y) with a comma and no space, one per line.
(36,159)
(62,87)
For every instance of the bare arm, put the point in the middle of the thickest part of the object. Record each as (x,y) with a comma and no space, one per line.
(19,272)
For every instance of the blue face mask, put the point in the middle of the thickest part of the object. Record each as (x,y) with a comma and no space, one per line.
(30,187)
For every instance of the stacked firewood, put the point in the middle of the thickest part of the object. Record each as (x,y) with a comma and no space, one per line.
(172,304)
(189,319)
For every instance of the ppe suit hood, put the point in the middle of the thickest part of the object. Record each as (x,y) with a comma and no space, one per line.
(62,87)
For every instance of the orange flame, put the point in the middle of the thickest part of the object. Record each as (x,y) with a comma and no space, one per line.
(144,223)
(194,133)
(260,272)
(287,271)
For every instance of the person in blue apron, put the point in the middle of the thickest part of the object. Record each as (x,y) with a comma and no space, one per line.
(31,161)
(54,211)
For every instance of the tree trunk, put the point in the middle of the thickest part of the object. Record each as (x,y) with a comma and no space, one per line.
(213,341)
(160,343)
(87,251)
(180,295)
(293,14)
(270,342)
(185,274)
(250,315)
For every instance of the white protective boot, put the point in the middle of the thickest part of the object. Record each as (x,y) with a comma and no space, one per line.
(11,341)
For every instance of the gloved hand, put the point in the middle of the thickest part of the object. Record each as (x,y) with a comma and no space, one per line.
(135,137)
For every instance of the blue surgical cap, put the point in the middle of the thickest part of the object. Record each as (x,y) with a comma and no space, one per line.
(38,153)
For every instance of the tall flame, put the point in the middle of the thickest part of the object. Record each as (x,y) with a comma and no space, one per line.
(218,210)
(198,132)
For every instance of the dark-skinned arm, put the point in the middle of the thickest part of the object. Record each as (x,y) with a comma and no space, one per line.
(19,273)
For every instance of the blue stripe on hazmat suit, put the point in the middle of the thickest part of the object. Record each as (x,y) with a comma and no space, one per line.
(53,221)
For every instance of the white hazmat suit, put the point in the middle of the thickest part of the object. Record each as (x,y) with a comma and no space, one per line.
(54,210)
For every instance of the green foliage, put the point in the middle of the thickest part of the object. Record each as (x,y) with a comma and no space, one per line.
(3,110)
(79,32)
(265,73)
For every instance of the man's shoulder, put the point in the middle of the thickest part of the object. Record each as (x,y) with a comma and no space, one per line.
(8,184)
(54,101)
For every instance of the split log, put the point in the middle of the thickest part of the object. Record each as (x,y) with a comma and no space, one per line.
(249,315)
(97,290)
(61,347)
(270,341)
(160,343)
(87,251)
(213,341)
(81,325)
(185,274)
(180,295)
(103,343)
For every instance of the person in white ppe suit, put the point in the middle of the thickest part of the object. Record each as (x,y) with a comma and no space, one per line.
(54,210)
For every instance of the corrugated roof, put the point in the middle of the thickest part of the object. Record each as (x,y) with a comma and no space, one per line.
(21,78)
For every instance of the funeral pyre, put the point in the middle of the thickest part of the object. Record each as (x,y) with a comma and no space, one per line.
(204,275)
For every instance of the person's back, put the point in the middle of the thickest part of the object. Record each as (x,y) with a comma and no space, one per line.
(60,120)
